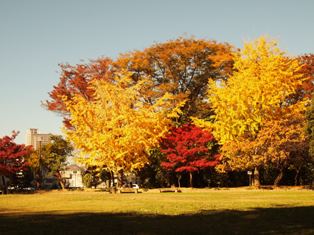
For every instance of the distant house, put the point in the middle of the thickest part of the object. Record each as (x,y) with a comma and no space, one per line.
(72,175)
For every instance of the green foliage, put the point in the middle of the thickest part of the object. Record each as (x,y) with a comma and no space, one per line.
(104,175)
(152,174)
(55,153)
(51,158)
(88,180)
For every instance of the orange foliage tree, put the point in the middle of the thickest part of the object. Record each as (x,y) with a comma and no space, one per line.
(307,70)
(181,67)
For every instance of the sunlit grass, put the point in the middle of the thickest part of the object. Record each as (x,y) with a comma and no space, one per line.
(188,202)
(224,211)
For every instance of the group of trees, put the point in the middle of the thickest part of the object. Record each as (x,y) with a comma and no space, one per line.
(115,112)
(21,166)
(186,111)
(187,105)
(260,110)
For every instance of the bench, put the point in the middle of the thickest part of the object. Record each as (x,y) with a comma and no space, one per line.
(170,190)
(128,190)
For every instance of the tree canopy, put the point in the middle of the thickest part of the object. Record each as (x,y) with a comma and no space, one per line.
(180,67)
(189,148)
(12,155)
(252,100)
(116,129)
(256,118)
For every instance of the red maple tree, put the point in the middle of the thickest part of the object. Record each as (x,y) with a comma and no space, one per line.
(189,148)
(12,155)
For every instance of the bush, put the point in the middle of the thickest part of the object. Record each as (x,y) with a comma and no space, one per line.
(88,180)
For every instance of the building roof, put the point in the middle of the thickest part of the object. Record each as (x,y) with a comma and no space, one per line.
(73,167)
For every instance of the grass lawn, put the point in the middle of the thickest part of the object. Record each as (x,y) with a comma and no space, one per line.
(194,211)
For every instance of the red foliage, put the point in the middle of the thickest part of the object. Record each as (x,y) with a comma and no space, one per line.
(12,155)
(187,149)
(75,80)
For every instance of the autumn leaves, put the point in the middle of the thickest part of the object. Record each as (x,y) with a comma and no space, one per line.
(116,111)
(117,128)
(257,118)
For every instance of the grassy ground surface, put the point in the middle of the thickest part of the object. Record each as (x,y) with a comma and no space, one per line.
(232,211)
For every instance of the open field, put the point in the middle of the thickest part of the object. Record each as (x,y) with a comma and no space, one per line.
(233,211)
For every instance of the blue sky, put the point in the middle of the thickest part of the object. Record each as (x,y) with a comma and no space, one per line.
(37,35)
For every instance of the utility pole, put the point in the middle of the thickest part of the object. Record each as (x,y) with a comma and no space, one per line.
(39,162)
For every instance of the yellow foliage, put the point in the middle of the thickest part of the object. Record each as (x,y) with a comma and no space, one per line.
(256,119)
(118,128)
(261,84)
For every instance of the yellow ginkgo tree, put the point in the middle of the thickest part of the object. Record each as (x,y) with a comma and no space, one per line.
(117,128)
(255,96)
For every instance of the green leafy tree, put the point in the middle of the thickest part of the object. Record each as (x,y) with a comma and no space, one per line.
(54,156)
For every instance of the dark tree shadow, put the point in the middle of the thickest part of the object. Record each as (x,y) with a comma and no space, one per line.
(295,220)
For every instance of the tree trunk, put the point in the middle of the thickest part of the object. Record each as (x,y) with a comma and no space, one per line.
(120,179)
(109,182)
(4,185)
(191,179)
(256,180)
(296,177)
(113,187)
(60,180)
(112,179)
(278,178)
(179,179)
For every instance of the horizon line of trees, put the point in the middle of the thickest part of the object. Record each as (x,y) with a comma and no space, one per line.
(253,101)
(192,112)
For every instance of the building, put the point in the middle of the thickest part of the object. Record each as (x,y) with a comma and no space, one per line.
(35,139)
(73,176)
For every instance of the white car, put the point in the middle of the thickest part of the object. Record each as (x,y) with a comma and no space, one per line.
(135,186)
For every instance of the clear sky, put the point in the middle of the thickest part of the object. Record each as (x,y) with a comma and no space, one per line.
(37,35)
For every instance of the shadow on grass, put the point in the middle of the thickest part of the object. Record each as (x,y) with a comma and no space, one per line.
(295,220)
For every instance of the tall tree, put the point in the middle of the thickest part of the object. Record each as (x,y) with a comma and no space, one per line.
(181,67)
(259,92)
(116,129)
(12,157)
(189,149)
